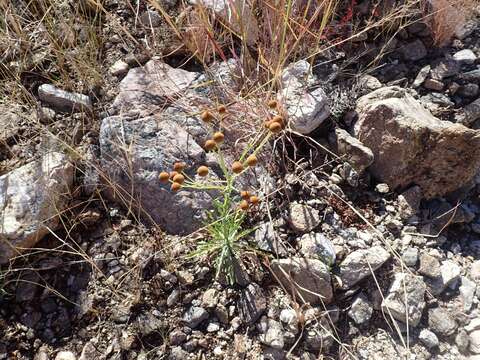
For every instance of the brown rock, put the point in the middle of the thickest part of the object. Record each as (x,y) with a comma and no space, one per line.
(411,146)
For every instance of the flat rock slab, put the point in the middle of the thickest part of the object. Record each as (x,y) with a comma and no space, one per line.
(411,146)
(31,197)
(63,100)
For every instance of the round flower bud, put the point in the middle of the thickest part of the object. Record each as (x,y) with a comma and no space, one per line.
(237,167)
(175,186)
(222,109)
(245,195)
(243,205)
(267,124)
(202,171)
(272,104)
(254,200)
(164,176)
(210,145)
(275,127)
(173,174)
(252,160)
(206,116)
(179,178)
(218,137)
(278,119)
(179,166)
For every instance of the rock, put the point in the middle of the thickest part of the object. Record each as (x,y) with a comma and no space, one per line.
(350,148)
(267,240)
(195,316)
(359,264)
(119,68)
(467,293)
(475,270)
(382,188)
(150,19)
(369,82)
(303,218)
(145,90)
(441,322)
(306,109)
(462,340)
(450,273)
(433,84)
(473,325)
(471,113)
(31,199)
(409,202)
(421,76)
(361,310)
(473,75)
(469,90)
(309,279)
(289,319)
(465,56)
(63,100)
(412,146)
(177,337)
(317,246)
(410,256)
(405,299)
(271,333)
(210,298)
(90,352)
(428,338)
(155,144)
(429,266)
(445,69)
(252,303)
(65,355)
(177,353)
(319,335)
(414,51)
(475,342)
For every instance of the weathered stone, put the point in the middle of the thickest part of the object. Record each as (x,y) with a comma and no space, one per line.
(409,202)
(195,316)
(450,273)
(252,303)
(317,246)
(361,310)
(421,76)
(309,279)
(475,342)
(414,51)
(369,82)
(150,19)
(63,100)
(146,90)
(350,148)
(271,333)
(433,84)
(446,68)
(65,355)
(428,338)
(360,264)
(441,322)
(267,240)
(429,266)
(405,299)
(31,199)
(467,293)
(465,56)
(118,68)
(303,218)
(155,144)
(289,318)
(471,113)
(306,109)
(412,146)
(410,257)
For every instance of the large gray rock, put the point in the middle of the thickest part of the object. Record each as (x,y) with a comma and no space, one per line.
(360,264)
(134,152)
(411,146)
(405,299)
(306,109)
(31,199)
(63,100)
(308,279)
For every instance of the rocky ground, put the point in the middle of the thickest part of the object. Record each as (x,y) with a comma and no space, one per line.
(367,242)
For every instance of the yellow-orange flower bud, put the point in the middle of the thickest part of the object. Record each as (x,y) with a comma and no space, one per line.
(206,116)
(164,176)
(243,205)
(210,145)
(237,167)
(179,178)
(218,137)
(252,160)
(175,186)
(202,171)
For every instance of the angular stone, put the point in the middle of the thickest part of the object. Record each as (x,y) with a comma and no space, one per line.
(445,69)
(271,333)
(309,279)
(465,56)
(195,316)
(433,84)
(317,246)
(155,143)
(471,113)
(467,293)
(428,338)
(409,202)
(359,264)
(31,199)
(421,76)
(441,322)
(306,109)
(252,303)
(414,51)
(63,100)
(303,218)
(429,266)
(267,239)
(475,342)
(350,148)
(118,68)
(361,310)
(405,299)
(411,146)
(449,272)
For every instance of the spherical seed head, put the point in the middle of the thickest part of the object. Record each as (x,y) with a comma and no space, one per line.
(179,178)
(278,119)
(164,176)
(175,186)
(267,124)
(206,116)
(252,160)
(173,174)
(272,104)
(243,205)
(245,195)
(218,137)
(275,127)
(237,167)
(202,171)
(179,166)
(254,199)
(210,145)
(222,109)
